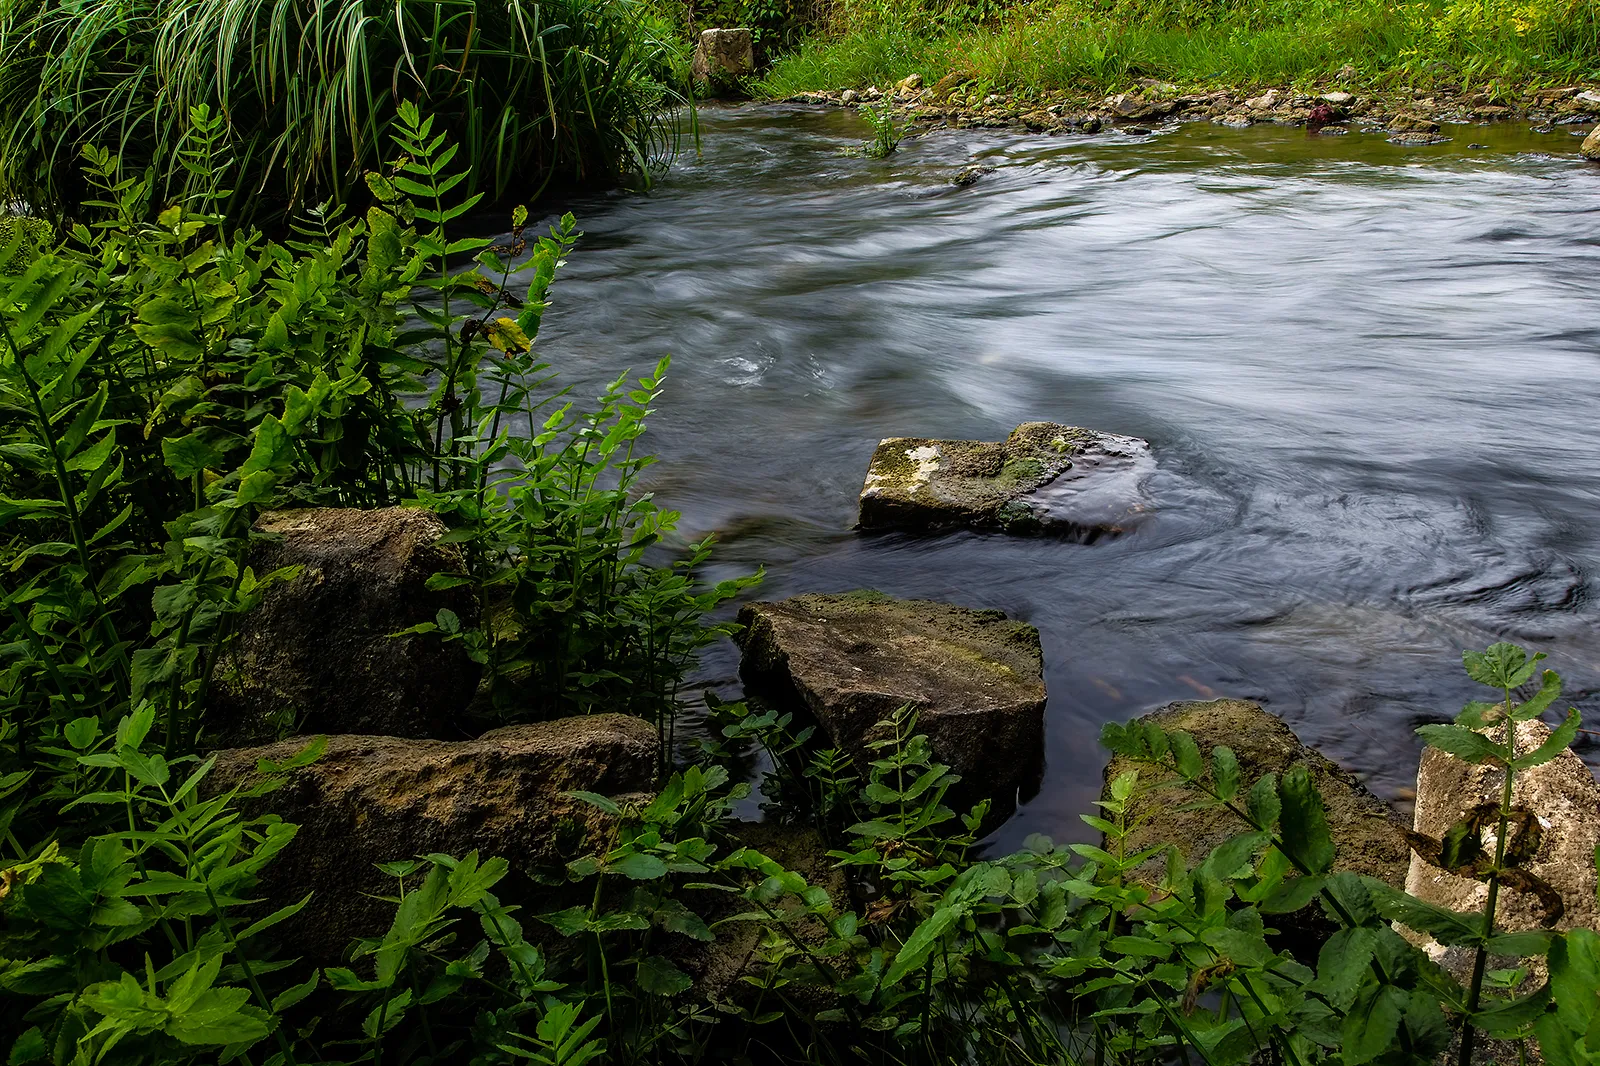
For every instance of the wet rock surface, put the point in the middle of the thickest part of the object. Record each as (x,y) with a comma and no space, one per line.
(1561,794)
(1044,478)
(1412,117)
(374,799)
(851,660)
(1591,145)
(319,655)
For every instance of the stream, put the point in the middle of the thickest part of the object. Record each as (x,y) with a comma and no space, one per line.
(1369,374)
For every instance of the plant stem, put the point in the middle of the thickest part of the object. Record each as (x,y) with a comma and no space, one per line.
(1480,962)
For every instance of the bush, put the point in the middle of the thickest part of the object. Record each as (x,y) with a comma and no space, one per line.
(162,382)
(129,947)
(532,92)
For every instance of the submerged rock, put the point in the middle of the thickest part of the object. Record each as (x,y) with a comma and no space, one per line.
(1044,478)
(1561,794)
(319,655)
(976,679)
(375,799)
(1591,145)
(728,53)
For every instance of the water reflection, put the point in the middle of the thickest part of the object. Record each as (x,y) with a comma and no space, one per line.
(1368,373)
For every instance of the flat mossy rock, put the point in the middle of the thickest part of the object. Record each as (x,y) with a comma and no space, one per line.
(373,799)
(1369,835)
(1044,478)
(319,654)
(976,679)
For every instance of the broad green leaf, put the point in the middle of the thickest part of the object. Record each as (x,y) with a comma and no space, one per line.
(1501,666)
(29,1047)
(1370,1026)
(1140,946)
(1263,806)
(1344,964)
(1559,740)
(1445,926)
(638,866)
(220,1016)
(1225,772)
(1186,756)
(1465,744)
(659,977)
(1227,858)
(920,944)
(1304,825)
(1549,689)
(1509,1016)
(1246,949)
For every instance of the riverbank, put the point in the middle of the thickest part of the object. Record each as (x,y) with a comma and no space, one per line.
(1413,117)
(1445,60)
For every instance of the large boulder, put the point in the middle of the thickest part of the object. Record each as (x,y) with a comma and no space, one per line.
(319,654)
(372,799)
(1591,145)
(1562,794)
(1369,835)
(850,661)
(722,54)
(1044,478)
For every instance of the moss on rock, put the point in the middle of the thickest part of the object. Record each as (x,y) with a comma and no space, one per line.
(851,660)
(922,484)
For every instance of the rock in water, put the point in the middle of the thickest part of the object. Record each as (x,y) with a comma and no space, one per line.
(318,655)
(724,54)
(1591,145)
(976,679)
(372,799)
(1044,478)
(1562,794)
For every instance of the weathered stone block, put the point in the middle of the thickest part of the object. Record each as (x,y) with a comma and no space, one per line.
(1044,478)
(318,655)
(975,678)
(372,799)
(726,53)
(1562,794)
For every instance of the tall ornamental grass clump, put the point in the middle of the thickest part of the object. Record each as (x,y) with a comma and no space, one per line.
(531,91)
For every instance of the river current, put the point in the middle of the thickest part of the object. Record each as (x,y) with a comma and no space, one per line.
(1369,373)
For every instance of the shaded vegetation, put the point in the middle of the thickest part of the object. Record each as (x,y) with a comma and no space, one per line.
(309,90)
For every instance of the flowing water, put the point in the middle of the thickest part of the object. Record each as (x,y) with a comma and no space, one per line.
(1369,373)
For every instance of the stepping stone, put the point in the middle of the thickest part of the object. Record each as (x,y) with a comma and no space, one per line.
(1045,478)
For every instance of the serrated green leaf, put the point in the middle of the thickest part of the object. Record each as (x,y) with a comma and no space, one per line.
(659,977)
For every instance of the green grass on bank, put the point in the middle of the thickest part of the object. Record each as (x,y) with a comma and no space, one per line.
(1096,46)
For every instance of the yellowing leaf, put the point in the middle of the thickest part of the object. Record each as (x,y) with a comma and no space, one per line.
(506,335)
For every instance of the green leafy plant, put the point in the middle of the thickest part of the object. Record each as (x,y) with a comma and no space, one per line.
(309,92)
(887,130)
